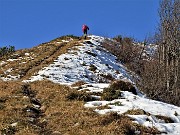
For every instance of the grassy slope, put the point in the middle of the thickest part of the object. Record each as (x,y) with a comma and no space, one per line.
(40,56)
(55,114)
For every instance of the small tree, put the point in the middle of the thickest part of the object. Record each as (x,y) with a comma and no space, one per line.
(6,50)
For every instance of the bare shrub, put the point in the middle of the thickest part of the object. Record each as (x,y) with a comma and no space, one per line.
(126,51)
(124,86)
(4,51)
(161,76)
(152,83)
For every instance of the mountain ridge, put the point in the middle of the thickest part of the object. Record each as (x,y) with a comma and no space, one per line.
(93,74)
(90,61)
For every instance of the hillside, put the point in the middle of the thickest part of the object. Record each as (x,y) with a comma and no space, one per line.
(75,86)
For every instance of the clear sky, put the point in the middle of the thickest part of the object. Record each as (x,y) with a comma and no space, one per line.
(27,23)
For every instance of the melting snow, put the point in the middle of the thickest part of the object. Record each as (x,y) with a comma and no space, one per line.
(75,66)
(27,54)
(131,101)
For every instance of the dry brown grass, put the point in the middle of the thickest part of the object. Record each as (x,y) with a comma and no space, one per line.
(78,84)
(58,114)
(115,88)
(6,88)
(38,54)
(103,107)
(137,112)
(80,96)
(42,55)
(63,48)
(165,118)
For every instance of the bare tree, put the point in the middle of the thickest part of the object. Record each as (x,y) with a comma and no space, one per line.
(169,48)
(161,76)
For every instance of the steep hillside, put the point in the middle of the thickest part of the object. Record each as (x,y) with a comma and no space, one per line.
(24,63)
(70,85)
(88,62)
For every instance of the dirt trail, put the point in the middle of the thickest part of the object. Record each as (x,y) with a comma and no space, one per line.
(61,49)
(43,62)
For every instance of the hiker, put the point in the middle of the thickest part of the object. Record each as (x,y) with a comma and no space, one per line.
(85,28)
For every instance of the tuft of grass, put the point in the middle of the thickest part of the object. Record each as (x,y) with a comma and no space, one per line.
(108,77)
(114,90)
(137,112)
(83,64)
(122,125)
(66,37)
(118,103)
(109,118)
(78,84)
(165,118)
(92,67)
(111,94)
(124,86)
(2,106)
(90,53)
(80,96)
(175,113)
(103,107)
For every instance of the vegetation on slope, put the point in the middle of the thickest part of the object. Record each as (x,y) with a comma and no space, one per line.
(5,51)
(160,74)
(42,107)
(24,63)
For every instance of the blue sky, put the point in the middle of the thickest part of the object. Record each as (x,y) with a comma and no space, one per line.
(27,23)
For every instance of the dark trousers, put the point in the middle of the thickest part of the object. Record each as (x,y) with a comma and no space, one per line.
(85,33)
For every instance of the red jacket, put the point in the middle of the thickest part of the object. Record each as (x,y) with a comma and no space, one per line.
(85,27)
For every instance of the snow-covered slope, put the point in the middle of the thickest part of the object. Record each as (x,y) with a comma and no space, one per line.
(91,63)
(154,110)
